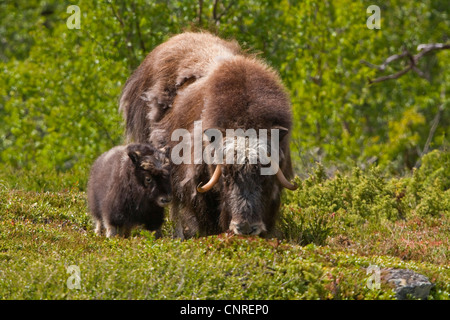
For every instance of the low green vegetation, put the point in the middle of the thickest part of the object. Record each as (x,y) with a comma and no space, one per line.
(371,203)
(59,87)
(372,159)
(330,231)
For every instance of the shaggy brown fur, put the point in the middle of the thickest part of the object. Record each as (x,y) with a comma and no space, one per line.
(129,186)
(235,91)
(151,89)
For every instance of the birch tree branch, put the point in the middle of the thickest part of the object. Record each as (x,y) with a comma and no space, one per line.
(412,61)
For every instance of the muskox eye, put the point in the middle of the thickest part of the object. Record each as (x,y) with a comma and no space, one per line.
(148,180)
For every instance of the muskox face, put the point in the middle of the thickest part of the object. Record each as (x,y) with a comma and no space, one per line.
(249,196)
(152,172)
(246,195)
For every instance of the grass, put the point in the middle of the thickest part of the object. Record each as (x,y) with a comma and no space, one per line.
(43,233)
(331,229)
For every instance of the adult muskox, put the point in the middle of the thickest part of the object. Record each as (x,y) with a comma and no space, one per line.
(199,77)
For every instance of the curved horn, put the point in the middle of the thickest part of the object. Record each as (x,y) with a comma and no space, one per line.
(214,179)
(284,182)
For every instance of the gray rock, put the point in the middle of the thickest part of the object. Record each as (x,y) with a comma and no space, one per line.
(406,282)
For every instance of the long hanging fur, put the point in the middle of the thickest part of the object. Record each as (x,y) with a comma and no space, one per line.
(151,89)
(197,76)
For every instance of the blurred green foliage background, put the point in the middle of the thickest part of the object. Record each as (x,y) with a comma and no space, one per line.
(59,87)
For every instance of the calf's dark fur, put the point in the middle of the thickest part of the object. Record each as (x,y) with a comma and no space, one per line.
(129,186)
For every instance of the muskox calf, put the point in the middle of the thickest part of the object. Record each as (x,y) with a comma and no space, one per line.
(129,186)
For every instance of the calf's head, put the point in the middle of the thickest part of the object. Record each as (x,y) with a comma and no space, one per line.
(152,172)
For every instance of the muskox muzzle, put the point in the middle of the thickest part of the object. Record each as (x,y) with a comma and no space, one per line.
(164,200)
(246,200)
(247,228)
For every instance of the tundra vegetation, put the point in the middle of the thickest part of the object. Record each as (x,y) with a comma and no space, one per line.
(371,157)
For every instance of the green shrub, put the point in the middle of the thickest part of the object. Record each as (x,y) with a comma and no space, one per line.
(323,207)
(435,166)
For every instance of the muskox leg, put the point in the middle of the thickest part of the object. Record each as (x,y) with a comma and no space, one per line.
(186,223)
(158,233)
(124,231)
(271,217)
(174,217)
(111,231)
(121,231)
(98,227)
(154,221)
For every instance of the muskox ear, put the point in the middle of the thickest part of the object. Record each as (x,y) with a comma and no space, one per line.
(134,155)
(166,151)
(282,131)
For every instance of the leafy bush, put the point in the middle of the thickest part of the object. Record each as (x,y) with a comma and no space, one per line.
(434,168)
(323,207)
(59,90)
(59,87)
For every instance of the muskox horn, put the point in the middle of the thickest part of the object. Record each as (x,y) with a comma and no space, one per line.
(214,179)
(284,182)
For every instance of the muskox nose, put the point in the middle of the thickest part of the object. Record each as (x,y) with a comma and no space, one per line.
(164,200)
(247,228)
